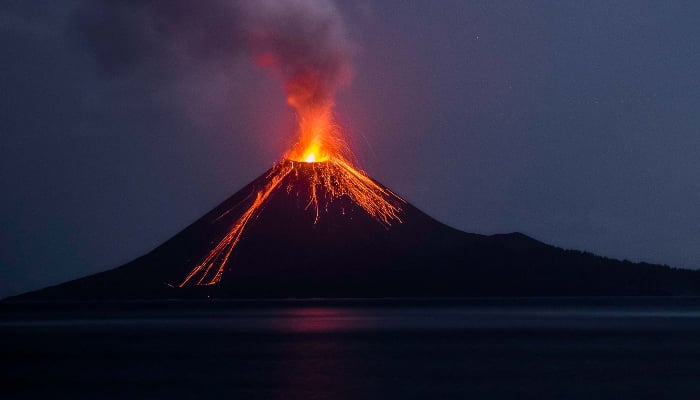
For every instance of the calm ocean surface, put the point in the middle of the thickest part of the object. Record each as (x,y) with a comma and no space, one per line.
(584,348)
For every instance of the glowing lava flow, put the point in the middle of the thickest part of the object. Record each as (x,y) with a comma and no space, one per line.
(332,175)
(334,178)
(219,255)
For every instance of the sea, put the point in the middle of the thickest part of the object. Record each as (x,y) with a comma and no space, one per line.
(486,348)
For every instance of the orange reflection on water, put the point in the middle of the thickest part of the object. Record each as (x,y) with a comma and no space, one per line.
(320,320)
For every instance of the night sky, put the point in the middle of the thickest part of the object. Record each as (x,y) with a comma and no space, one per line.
(577,123)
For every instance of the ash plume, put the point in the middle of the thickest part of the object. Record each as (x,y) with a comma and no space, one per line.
(303,41)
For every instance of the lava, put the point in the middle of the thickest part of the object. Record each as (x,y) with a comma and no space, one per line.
(317,136)
(333,175)
(219,255)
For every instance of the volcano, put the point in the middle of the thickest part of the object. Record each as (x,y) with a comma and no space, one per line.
(316,226)
(303,230)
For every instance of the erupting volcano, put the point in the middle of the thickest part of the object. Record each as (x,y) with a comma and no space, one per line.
(315,185)
(315,225)
(309,228)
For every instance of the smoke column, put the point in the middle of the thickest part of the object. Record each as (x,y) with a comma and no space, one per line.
(303,42)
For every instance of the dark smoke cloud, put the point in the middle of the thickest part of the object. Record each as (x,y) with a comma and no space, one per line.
(303,41)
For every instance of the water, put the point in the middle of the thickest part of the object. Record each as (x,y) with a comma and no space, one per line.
(641,348)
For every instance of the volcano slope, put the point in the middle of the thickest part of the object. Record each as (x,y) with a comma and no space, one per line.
(291,247)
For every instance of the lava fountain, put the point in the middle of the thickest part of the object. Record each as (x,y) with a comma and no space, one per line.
(321,146)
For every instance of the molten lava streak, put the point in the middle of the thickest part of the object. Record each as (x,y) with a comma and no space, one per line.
(333,175)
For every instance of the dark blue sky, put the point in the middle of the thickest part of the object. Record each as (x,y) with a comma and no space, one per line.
(577,123)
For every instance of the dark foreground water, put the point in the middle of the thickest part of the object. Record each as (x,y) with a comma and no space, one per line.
(636,348)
